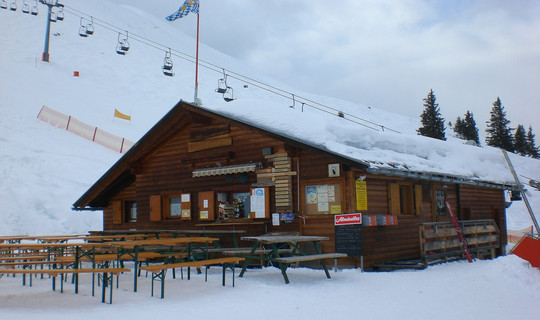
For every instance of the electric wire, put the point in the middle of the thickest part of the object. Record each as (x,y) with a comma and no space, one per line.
(242,78)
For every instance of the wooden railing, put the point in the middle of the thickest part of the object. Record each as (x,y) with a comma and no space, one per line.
(439,241)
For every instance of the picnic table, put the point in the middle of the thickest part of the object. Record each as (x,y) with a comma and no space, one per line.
(285,250)
(134,247)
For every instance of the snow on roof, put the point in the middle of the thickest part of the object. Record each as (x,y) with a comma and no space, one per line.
(383,151)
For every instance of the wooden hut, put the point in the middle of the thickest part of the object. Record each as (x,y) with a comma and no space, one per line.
(197,168)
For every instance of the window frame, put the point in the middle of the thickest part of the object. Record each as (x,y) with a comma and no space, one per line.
(405,199)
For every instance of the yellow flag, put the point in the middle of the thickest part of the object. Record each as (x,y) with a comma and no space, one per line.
(120,115)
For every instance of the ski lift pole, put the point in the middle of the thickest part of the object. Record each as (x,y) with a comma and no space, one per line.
(520,187)
(50,4)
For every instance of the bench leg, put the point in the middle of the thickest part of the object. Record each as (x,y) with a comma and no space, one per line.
(283,267)
(325,269)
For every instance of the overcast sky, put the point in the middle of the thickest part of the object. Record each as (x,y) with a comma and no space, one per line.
(386,54)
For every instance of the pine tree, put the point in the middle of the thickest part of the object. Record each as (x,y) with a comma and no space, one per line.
(466,129)
(498,133)
(471,131)
(459,127)
(532,149)
(520,141)
(431,119)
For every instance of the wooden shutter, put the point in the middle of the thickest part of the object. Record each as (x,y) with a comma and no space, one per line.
(418,199)
(117,211)
(393,198)
(206,205)
(155,208)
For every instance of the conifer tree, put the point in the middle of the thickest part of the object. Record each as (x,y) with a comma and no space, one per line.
(471,131)
(466,129)
(459,127)
(520,141)
(532,149)
(499,135)
(431,119)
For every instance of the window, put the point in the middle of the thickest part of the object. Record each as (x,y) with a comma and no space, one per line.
(130,211)
(405,199)
(235,205)
(175,207)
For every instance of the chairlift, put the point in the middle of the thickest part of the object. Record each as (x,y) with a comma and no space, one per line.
(60,13)
(168,64)
(13,6)
(90,27)
(82,30)
(293,102)
(3,4)
(26,7)
(53,17)
(35,10)
(123,44)
(225,89)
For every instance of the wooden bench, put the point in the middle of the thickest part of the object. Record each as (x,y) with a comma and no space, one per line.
(285,262)
(107,274)
(159,270)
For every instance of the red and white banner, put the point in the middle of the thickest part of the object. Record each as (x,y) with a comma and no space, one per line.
(343,219)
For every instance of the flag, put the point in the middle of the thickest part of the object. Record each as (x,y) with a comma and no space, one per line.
(120,115)
(185,9)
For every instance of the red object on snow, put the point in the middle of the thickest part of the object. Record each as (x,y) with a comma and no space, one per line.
(528,248)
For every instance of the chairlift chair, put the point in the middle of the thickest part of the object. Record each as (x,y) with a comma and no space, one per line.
(53,17)
(168,64)
(13,6)
(35,10)
(26,7)
(222,86)
(3,4)
(60,13)
(228,96)
(82,30)
(123,45)
(90,27)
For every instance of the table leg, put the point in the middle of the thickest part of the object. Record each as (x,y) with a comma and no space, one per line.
(248,258)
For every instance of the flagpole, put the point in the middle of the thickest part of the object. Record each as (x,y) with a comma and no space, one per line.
(196,99)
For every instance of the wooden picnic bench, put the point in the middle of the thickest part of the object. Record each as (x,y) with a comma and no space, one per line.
(285,262)
(107,274)
(159,271)
(280,242)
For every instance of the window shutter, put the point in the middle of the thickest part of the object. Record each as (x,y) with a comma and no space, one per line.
(418,199)
(117,211)
(155,208)
(393,198)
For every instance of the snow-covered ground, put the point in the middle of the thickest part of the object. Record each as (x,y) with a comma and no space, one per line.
(43,170)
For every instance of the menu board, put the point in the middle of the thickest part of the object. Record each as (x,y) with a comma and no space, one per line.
(348,239)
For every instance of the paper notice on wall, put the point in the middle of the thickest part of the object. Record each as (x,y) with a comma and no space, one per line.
(322,207)
(186,197)
(205,203)
(258,203)
(203,215)
(311,195)
(275,219)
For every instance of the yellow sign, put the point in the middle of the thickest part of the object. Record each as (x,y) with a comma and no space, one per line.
(335,209)
(361,195)
(120,115)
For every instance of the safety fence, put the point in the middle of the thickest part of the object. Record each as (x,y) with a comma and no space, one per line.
(514,236)
(84,130)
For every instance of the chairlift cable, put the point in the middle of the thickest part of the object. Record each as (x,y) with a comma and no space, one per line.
(213,67)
